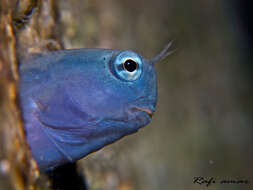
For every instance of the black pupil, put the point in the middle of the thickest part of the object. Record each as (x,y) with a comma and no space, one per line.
(130,65)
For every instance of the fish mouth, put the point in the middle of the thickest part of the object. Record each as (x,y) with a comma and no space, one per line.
(149,111)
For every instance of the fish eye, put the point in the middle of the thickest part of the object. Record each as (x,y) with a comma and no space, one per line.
(130,65)
(126,65)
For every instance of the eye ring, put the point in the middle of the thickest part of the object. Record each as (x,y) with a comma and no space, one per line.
(130,65)
(126,65)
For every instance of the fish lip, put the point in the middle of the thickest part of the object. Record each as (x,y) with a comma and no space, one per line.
(149,111)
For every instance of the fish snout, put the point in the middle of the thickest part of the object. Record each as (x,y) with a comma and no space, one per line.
(146,109)
(149,111)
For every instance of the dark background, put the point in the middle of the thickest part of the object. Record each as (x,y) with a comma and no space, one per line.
(203,123)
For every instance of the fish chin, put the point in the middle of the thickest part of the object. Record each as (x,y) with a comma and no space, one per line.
(139,116)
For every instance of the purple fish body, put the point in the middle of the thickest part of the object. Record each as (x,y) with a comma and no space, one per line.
(75,102)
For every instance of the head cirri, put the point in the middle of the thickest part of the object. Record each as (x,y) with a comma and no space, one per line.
(75,102)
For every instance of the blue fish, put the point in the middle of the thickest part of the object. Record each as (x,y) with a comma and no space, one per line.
(75,102)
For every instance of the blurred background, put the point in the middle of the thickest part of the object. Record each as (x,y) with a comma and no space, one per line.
(203,123)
